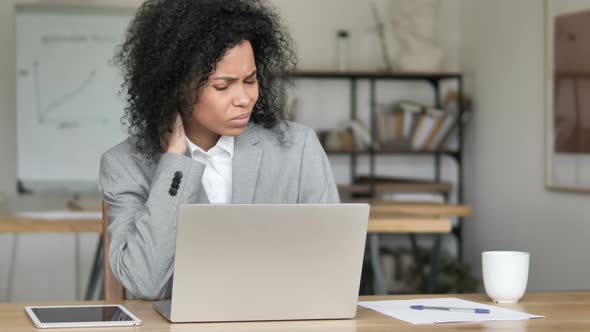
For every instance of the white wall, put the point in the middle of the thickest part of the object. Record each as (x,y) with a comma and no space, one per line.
(502,54)
(313,25)
(326,106)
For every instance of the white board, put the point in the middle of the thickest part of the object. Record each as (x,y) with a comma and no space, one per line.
(69,105)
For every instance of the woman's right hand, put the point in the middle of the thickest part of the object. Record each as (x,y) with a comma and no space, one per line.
(175,142)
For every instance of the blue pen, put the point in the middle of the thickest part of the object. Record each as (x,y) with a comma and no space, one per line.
(468,310)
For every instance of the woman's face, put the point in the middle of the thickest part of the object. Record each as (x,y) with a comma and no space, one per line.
(227,99)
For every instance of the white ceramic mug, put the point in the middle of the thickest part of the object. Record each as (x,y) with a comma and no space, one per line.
(505,275)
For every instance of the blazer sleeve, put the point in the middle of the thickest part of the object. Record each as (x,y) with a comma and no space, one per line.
(316,181)
(142,220)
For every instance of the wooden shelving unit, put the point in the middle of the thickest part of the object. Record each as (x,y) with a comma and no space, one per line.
(372,188)
(385,218)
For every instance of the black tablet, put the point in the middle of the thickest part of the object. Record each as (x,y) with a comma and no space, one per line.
(81,316)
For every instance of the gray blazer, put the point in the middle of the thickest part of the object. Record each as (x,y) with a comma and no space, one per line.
(142,208)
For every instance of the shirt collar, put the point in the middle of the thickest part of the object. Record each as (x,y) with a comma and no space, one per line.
(224,144)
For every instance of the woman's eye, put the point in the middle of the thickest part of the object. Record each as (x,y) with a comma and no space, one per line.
(220,88)
(250,82)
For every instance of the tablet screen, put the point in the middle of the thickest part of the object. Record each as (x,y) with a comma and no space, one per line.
(81,314)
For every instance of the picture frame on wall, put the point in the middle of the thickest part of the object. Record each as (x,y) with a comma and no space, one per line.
(567,95)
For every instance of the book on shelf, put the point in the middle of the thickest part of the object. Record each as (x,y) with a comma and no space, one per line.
(394,123)
(454,116)
(398,125)
(354,136)
(360,133)
(409,111)
(447,125)
(427,127)
(386,126)
(403,125)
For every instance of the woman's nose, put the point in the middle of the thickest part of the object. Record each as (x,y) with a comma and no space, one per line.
(242,98)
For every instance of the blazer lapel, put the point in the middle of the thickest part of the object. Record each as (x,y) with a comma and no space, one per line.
(245,165)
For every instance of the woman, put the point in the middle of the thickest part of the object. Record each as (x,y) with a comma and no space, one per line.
(206,126)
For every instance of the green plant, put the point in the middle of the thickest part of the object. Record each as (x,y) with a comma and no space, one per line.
(453,276)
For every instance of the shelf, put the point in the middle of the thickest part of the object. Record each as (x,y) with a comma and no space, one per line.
(453,153)
(425,209)
(404,224)
(374,75)
(346,151)
(365,188)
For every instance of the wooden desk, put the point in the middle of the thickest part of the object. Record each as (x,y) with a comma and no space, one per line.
(12,223)
(563,311)
(378,223)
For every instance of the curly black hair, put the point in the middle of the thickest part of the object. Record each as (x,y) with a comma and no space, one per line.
(173,43)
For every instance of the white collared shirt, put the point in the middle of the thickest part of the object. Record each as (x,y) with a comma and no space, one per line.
(217,177)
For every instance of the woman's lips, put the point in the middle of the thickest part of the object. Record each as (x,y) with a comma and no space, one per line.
(241,120)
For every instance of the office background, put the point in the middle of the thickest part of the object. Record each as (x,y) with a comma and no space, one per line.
(498,46)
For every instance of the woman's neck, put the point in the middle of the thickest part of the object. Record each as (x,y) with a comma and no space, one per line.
(205,142)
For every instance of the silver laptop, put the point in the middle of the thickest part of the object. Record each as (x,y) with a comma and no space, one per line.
(267,262)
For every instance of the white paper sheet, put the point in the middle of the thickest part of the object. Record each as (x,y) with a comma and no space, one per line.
(62,215)
(400,309)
